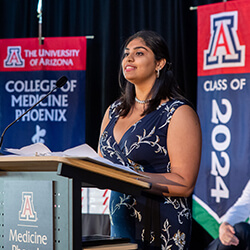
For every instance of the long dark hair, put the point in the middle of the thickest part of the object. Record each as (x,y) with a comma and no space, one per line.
(164,87)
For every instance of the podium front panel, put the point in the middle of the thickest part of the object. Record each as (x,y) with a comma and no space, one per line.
(62,210)
(28,211)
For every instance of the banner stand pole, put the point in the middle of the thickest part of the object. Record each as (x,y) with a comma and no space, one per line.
(40,22)
(195,7)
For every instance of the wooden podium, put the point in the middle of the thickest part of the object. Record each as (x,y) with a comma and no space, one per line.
(67,176)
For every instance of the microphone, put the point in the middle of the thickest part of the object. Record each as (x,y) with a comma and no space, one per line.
(59,83)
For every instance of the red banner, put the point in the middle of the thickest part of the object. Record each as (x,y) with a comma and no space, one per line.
(27,55)
(227,37)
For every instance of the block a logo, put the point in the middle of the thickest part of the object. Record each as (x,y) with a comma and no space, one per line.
(224,48)
(27,212)
(14,58)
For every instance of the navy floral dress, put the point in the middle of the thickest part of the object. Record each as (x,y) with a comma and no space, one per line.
(151,221)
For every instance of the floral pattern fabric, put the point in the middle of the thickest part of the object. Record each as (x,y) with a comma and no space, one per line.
(153,222)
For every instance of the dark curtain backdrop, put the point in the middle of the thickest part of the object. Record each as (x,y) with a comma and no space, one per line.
(111,22)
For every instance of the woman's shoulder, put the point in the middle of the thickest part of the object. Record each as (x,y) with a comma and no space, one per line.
(184,114)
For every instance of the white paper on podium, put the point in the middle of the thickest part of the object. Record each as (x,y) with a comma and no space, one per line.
(31,150)
(84,152)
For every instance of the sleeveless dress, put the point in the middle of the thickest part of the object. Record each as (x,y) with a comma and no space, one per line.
(151,221)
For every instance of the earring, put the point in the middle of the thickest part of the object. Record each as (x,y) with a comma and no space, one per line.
(158,73)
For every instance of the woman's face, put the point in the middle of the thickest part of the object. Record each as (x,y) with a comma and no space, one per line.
(139,64)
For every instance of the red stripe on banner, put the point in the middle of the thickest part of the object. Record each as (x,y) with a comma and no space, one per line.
(105,201)
(105,209)
(105,192)
(222,38)
(56,54)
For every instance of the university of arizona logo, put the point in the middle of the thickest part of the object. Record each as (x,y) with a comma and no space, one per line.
(224,47)
(14,58)
(27,212)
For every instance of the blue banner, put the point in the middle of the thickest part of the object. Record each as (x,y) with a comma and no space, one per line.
(224,109)
(28,72)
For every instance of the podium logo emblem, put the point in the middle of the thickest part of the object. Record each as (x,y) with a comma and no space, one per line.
(14,58)
(224,48)
(27,212)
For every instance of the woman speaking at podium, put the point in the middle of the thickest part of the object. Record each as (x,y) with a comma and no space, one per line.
(153,129)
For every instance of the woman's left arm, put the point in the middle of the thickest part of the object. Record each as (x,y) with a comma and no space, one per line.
(184,149)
